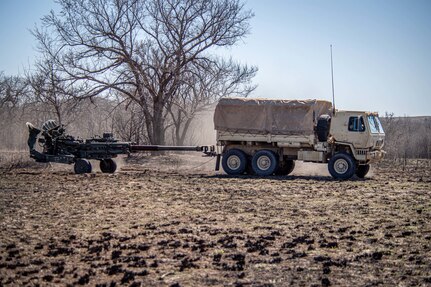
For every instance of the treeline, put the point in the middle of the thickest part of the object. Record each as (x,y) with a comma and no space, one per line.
(85,118)
(407,137)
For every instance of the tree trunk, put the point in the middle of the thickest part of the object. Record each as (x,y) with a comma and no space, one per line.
(181,135)
(58,114)
(158,123)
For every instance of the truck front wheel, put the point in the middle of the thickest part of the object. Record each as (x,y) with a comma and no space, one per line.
(362,170)
(342,166)
(234,162)
(264,163)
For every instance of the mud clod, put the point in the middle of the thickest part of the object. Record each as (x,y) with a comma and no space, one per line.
(56,251)
(322,258)
(95,249)
(377,255)
(116,254)
(326,270)
(114,269)
(84,279)
(48,278)
(227,242)
(326,282)
(187,263)
(127,277)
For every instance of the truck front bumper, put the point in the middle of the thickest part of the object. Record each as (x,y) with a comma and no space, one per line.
(375,156)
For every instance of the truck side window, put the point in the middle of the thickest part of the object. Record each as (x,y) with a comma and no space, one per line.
(356,124)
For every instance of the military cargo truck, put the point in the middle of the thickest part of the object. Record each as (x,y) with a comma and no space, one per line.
(266,137)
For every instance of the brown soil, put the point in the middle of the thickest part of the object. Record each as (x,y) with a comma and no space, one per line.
(165,223)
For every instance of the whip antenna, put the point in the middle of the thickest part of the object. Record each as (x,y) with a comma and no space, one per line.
(332,76)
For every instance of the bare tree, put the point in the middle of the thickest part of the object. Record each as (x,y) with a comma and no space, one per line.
(141,49)
(129,123)
(13,90)
(407,137)
(13,94)
(201,89)
(391,127)
(55,95)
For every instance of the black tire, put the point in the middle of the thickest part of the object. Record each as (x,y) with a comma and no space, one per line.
(342,166)
(108,165)
(322,128)
(82,166)
(362,170)
(264,162)
(286,168)
(234,162)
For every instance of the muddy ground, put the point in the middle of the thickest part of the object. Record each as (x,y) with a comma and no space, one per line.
(169,221)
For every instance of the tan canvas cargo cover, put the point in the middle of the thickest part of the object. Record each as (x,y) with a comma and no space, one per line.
(261,116)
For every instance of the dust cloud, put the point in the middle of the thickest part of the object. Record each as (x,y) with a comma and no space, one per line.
(310,169)
(120,161)
(202,130)
(371,172)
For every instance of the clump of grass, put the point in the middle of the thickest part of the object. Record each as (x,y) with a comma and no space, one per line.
(10,160)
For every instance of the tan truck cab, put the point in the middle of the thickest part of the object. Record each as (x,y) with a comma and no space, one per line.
(361,132)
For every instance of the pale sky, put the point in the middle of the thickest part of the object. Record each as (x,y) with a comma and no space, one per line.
(381,49)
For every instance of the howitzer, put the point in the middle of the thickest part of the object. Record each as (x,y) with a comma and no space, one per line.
(62,148)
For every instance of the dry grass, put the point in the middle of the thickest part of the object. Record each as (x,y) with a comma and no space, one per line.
(10,160)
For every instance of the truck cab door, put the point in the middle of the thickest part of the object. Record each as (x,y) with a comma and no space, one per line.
(357,133)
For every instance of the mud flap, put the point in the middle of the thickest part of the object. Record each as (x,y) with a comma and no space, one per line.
(217,167)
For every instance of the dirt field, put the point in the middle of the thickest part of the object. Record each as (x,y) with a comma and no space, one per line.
(170,222)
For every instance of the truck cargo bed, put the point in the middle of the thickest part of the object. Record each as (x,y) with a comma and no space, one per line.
(263,117)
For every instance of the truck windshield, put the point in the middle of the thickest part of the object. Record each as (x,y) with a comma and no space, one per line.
(375,125)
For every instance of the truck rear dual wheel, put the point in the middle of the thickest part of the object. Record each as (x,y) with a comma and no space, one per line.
(264,162)
(234,162)
(342,166)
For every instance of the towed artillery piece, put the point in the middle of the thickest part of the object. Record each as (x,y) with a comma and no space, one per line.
(62,148)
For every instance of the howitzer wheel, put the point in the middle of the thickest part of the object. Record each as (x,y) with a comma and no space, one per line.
(82,166)
(108,166)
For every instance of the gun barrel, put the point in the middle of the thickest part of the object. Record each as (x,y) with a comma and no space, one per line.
(137,148)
